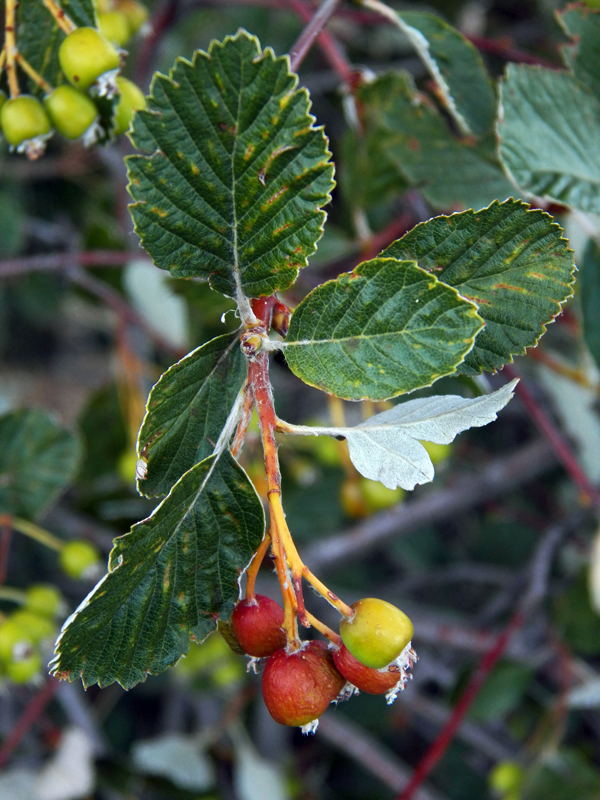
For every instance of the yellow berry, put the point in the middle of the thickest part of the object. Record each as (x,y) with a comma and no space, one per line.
(377,633)
(132,99)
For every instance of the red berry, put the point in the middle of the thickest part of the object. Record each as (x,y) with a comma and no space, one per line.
(298,687)
(367,679)
(257,626)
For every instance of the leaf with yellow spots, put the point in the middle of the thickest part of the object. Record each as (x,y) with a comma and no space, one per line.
(512,261)
(387,328)
(170,580)
(233,173)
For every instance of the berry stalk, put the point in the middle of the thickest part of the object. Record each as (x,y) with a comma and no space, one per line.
(62,20)
(10,44)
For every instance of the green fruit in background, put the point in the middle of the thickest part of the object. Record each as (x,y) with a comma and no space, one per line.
(377,633)
(352,500)
(24,118)
(132,99)
(71,111)
(11,638)
(35,626)
(378,497)
(85,55)
(43,599)
(135,13)
(24,669)
(114,25)
(127,464)
(506,777)
(437,452)
(78,557)
(3,98)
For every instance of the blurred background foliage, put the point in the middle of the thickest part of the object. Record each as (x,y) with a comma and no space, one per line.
(86,345)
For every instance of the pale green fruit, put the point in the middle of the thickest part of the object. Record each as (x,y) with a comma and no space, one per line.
(71,111)
(378,497)
(85,55)
(437,452)
(24,118)
(24,669)
(35,626)
(135,12)
(44,599)
(78,557)
(114,25)
(132,99)
(11,638)
(377,633)
(507,776)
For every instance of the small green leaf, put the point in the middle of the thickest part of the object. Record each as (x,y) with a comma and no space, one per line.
(187,409)
(549,135)
(510,260)
(170,580)
(38,459)
(456,66)
(582,24)
(388,327)
(39,36)
(589,292)
(235,172)
(452,174)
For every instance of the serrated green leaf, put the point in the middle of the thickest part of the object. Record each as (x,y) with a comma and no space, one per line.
(456,66)
(384,329)
(549,135)
(451,174)
(39,37)
(510,260)
(170,580)
(387,446)
(187,410)
(582,24)
(38,459)
(589,286)
(236,173)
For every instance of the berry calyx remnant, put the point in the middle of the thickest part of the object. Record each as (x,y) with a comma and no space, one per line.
(257,626)
(377,633)
(72,112)
(24,120)
(132,99)
(298,687)
(85,55)
(367,679)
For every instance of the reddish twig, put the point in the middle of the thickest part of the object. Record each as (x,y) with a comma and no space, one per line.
(508,53)
(31,713)
(56,262)
(327,43)
(5,540)
(163,18)
(559,444)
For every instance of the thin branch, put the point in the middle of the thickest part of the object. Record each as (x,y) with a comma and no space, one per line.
(539,572)
(31,713)
(467,491)
(58,262)
(308,36)
(327,43)
(559,444)
(347,737)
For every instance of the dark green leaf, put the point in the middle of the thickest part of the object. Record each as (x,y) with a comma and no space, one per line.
(502,692)
(169,582)
(511,261)
(582,24)
(549,133)
(187,409)
(589,285)
(38,459)
(39,37)
(235,175)
(565,775)
(452,174)
(456,66)
(387,328)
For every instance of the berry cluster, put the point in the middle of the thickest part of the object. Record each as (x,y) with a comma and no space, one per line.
(90,61)
(372,654)
(28,633)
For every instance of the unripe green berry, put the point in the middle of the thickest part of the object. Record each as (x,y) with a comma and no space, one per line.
(12,637)
(24,118)
(22,670)
(71,111)
(114,25)
(437,452)
(78,557)
(35,626)
(43,599)
(132,99)
(85,55)
(135,13)
(378,497)
(377,633)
